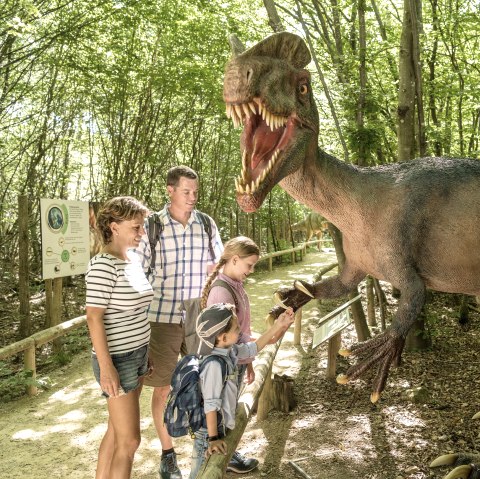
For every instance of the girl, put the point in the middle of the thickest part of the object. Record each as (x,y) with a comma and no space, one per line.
(219,330)
(240,255)
(118,295)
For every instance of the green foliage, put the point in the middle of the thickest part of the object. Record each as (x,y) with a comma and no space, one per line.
(13,385)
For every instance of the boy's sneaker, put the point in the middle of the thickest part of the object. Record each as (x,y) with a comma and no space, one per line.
(169,468)
(241,464)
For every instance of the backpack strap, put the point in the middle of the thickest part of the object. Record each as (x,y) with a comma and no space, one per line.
(224,284)
(155,228)
(207,226)
(218,359)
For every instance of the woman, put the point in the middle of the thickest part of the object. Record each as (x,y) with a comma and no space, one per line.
(118,295)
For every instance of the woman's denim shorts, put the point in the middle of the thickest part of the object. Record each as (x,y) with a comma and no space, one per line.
(130,366)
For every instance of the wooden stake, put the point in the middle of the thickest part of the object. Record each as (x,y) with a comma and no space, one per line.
(23,269)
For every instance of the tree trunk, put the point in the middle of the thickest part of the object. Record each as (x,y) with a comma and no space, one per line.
(410,88)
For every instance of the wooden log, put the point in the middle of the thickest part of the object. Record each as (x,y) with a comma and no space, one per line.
(57,302)
(30,365)
(282,393)
(265,400)
(215,466)
(54,332)
(334,344)
(297,328)
(16,347)
(48,302)
(23,267)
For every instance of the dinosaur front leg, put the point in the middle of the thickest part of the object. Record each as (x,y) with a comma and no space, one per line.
(386,348)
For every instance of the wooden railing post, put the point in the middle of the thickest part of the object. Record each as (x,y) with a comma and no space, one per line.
(297,328)
(334,344)
(29,365)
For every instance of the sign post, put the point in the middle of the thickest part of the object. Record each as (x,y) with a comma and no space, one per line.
(329,328)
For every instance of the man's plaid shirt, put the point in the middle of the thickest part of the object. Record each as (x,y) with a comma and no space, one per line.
(182,257)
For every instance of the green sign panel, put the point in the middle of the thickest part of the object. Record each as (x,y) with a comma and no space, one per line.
(331,327)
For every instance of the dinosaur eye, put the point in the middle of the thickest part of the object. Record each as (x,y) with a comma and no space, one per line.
(303,89)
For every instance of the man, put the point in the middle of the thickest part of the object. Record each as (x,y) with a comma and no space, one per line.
(182,262)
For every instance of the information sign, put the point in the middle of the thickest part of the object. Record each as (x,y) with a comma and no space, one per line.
(65,237)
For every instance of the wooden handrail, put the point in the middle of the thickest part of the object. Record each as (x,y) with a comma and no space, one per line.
(38,339)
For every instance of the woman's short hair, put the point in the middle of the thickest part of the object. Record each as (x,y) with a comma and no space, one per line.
(118,209)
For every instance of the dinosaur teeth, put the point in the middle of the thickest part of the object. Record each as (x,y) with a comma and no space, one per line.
(251,105)
(246,109)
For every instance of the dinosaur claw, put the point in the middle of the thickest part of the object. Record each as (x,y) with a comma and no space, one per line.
(278,301)
(301,287)
(476,416)
(460,472)
(342,379)
(445,460)
(374,397)
(345,352)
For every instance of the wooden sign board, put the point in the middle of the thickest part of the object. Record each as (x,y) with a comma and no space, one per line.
(331,327)
(65,237)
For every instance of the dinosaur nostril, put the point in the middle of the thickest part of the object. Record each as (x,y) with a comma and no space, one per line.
(249,75)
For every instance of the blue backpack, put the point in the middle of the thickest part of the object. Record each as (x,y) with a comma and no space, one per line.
(184,413)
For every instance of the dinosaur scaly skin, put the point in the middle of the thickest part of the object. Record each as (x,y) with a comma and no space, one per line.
(414,224)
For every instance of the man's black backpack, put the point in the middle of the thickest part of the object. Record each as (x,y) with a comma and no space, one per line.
(155,228)
(184,412)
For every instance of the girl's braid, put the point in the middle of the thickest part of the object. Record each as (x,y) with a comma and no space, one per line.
(208,284)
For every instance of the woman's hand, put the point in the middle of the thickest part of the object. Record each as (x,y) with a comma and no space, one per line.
(109,380)
(219,446)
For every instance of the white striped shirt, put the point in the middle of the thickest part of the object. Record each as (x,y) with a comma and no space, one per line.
(120,287)
(182,257)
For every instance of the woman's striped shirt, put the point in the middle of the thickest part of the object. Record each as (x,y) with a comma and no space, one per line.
(120,286)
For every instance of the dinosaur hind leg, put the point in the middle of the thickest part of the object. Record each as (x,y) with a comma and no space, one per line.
(385,350)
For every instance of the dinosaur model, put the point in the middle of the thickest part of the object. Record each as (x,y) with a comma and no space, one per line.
(312,224)
(392,217)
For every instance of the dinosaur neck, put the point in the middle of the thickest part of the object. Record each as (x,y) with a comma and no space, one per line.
(328,186)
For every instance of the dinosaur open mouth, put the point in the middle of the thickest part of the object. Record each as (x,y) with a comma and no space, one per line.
(265,136)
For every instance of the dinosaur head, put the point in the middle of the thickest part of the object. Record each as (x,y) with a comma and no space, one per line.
(268,92)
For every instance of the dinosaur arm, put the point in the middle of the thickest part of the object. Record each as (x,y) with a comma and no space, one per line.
(303,292)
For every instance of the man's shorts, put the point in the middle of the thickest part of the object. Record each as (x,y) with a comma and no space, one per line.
(130,366)
(167,341)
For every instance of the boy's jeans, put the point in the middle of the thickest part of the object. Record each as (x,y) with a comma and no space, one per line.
(200,446)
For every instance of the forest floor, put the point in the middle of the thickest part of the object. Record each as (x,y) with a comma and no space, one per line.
(334,431)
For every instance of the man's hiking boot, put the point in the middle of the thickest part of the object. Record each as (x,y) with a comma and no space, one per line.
(241,464)
(169,468)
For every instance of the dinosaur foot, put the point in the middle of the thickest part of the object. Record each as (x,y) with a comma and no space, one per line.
(295,297)
(465,465)
(383,351)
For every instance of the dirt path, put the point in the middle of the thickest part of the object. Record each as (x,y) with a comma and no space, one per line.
(57,433)
(335,431)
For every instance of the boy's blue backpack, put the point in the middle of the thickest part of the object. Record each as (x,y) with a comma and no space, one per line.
(184,413)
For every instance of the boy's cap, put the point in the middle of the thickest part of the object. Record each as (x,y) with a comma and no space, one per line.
(210,323)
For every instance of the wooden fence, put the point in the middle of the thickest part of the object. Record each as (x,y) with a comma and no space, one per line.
(28,345)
